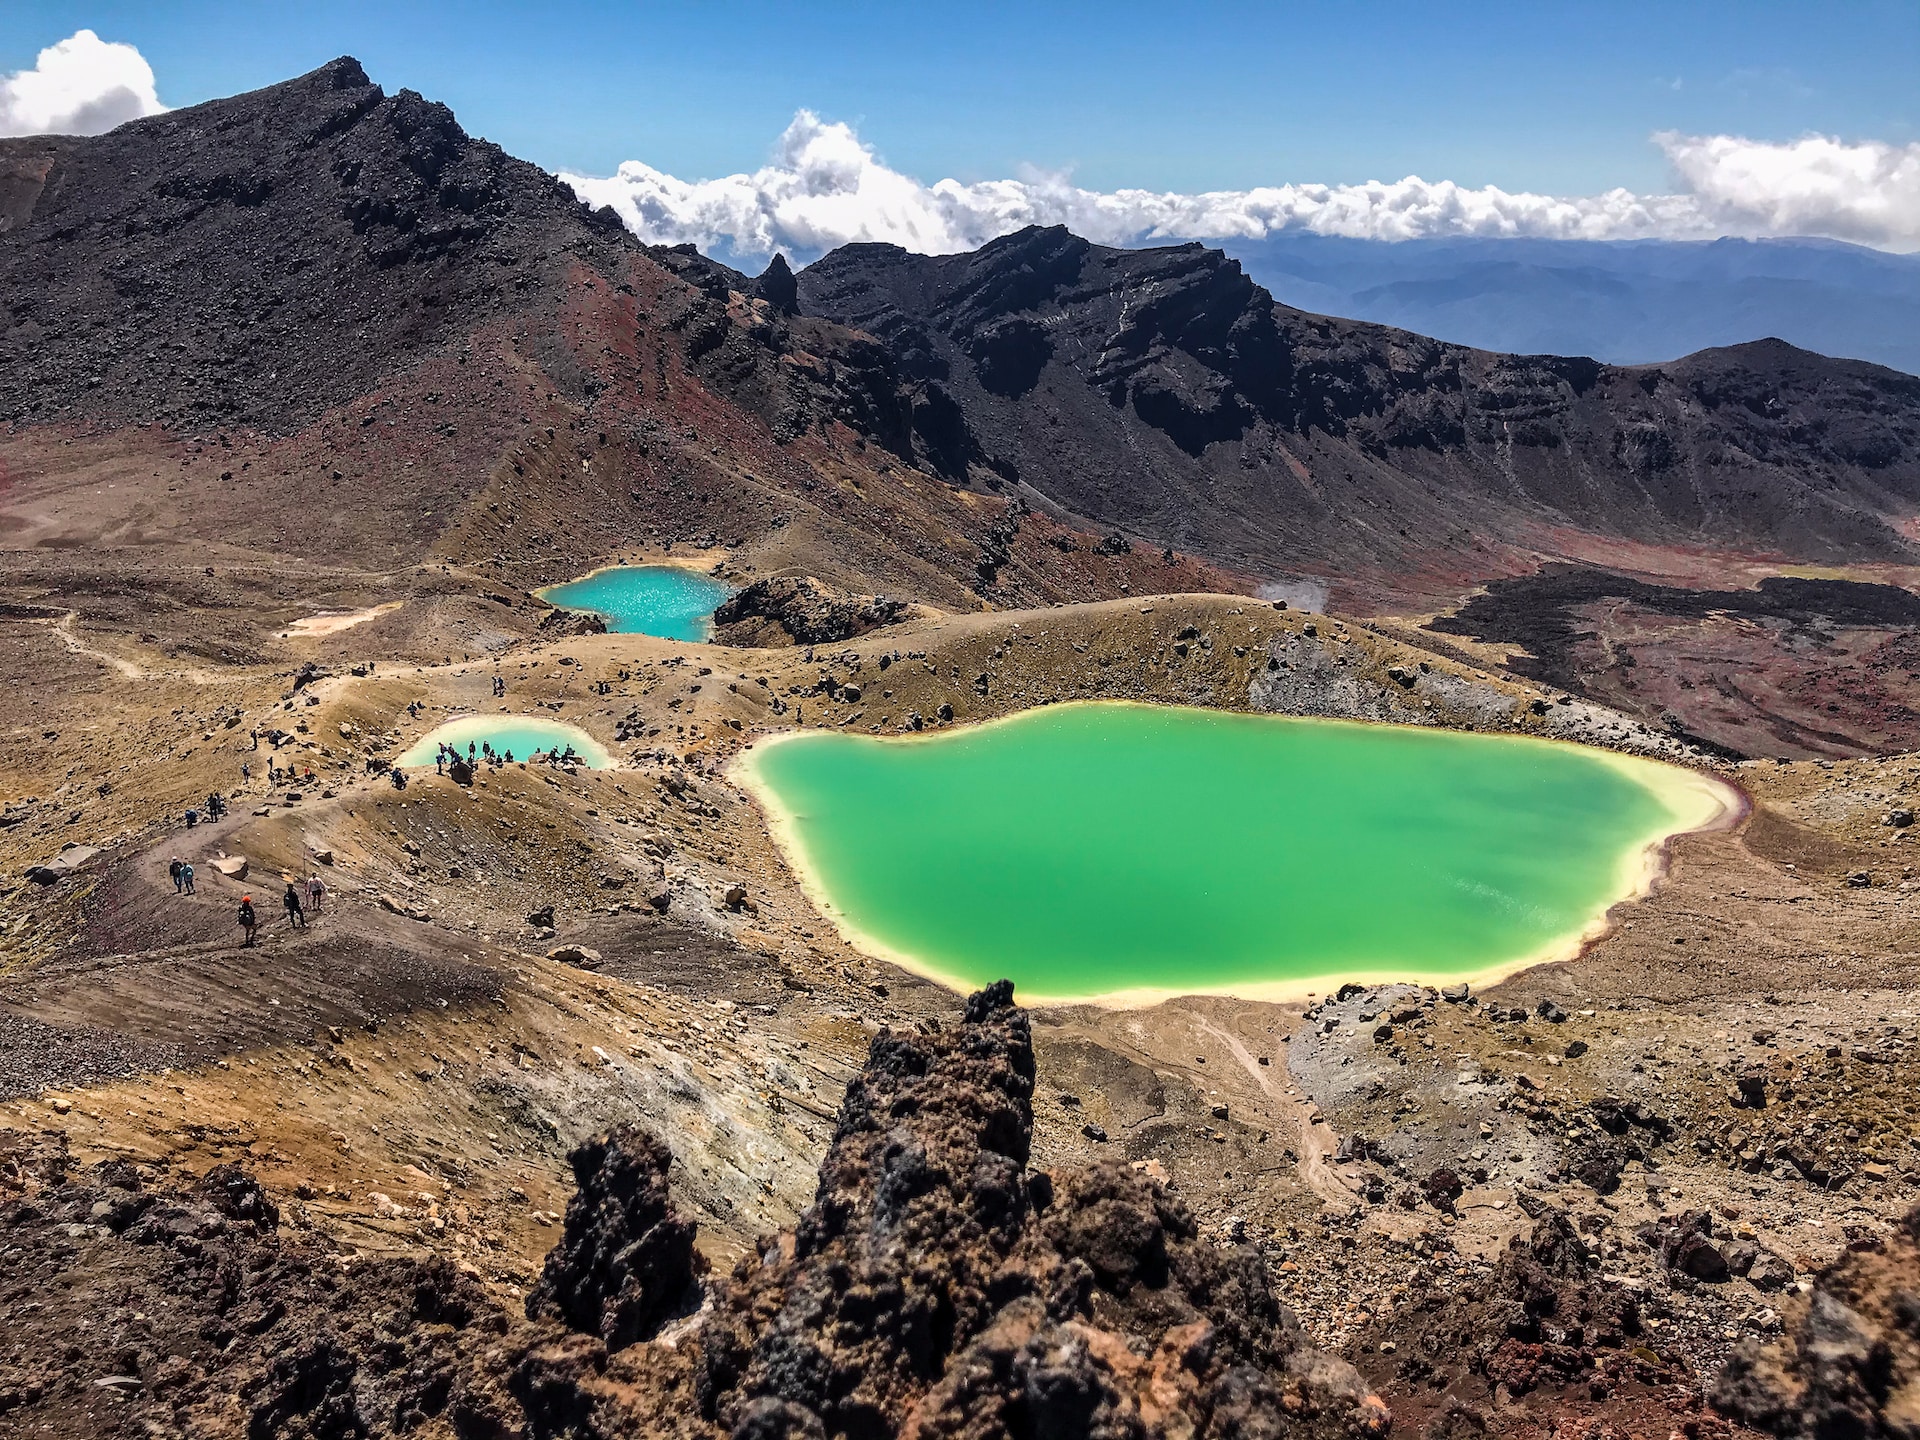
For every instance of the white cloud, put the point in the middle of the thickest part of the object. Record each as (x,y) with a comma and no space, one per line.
(1817,185)
(825,187)
(82,86)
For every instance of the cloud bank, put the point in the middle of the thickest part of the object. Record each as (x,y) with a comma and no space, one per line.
(82,86)
(824,187)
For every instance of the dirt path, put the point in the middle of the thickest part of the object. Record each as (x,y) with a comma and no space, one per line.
(126,669)
(1316,1142)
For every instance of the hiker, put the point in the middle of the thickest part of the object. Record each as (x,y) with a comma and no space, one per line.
(174,867)
(249,922)
(296,913)
(316,892)
(186,878)
(399,778)
(193,818)
(440,762)
(246,773)
(216,806)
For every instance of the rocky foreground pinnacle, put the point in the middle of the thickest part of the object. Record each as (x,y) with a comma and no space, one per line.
(937,1287)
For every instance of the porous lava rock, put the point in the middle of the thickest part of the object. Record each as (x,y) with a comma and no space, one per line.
(1544,1326)
(625,1259)
(788,610)
(937,1288)
(1849,1363)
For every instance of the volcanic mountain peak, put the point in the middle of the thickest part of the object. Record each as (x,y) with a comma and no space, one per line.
(257,258)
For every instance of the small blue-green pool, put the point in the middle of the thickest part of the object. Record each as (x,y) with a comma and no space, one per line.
(661,600)
(520,735)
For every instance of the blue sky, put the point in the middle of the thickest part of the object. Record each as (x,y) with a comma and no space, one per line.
(1548,97)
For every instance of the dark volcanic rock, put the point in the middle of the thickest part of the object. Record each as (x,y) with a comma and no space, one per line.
(1164,391)
(1849,1364)
(799,610)
(265,256)
(1543,1323)
(625,1260)
(778,287)
(928,1288)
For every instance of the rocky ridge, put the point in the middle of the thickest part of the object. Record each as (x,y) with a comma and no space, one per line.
(1163,391)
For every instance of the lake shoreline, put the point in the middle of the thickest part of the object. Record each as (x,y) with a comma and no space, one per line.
(1697,802)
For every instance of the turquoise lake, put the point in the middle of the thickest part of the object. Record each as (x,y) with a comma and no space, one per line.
(661,600)
(522,734)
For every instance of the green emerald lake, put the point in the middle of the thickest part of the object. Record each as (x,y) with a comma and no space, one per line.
(1098,849)
(661,600)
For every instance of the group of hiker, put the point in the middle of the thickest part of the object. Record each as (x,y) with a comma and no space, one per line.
(296,906)
(448,758)
(216,809)
(300,900)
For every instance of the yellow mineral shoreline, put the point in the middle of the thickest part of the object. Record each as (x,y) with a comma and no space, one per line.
(1698,802)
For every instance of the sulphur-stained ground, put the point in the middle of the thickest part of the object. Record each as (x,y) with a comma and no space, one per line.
(500,969)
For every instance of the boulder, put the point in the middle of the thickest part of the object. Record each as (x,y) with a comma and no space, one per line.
(1685,1244)
(1770,1271)
(1699,1257)
(70,859)
(799,610)
(584,956)
(1598,1164)
(234,867)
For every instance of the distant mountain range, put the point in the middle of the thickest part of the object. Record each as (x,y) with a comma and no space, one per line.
(1627,302)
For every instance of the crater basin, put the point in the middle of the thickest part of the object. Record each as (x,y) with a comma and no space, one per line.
(522,734)
(661,600)
(1128,852)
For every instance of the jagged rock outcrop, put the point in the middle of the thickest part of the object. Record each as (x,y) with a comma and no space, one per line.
(937,1288)
(778,287)
(1849,1364)
(1164,391)
(1544,1324)
(625,1260)
(787,610)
